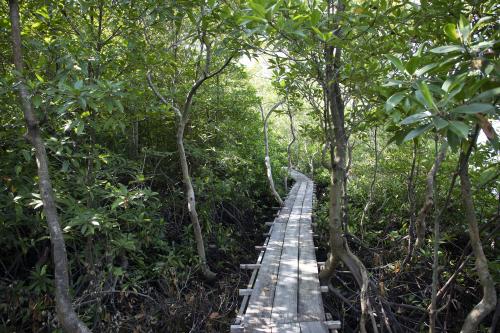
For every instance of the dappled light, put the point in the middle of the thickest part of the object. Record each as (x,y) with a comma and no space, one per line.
(249,166)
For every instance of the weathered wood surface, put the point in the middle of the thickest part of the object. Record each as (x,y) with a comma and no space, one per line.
(286,295)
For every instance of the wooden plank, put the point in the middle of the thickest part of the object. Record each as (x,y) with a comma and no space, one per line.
(286,297)
(259,309)
(313,327)
(260,303)
(287,328)
(310,306)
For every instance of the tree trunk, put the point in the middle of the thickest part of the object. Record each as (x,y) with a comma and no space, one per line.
(429,198)
(289,148)
(339,249)
(435,264)
(489,300)
(267,159)
(413,205)
(191,203)
(372,186)
(182,119)
(65,311)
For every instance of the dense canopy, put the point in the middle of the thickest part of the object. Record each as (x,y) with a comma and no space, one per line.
(144,144)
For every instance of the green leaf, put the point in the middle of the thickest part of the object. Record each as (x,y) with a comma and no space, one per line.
(450,30)
(425,69)
(483,21)
(258,8)
(26,155)
(415,118)
(417,131)
(464,27)
(37,101)
(413,64)
(315,17)
(487,95)
(453,140)
(459,128)
(447,49)
(488,175)
(396,62)
(440,123)
(393,101)
(250,18)
(427,95)
(39,77)
(474,108)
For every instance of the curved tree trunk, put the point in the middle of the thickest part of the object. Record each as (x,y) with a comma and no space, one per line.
(191,204)
(65,311)
(489,300)
(267,159)
(182,116)
(420,225)
(339,249)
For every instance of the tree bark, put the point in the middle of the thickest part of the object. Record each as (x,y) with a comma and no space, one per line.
(372,186)
(191,204)
(420,224)
(435,264)
(489,300)
(65,311)
(413,205)
(339,249)
(182,116)
(289,148)
(267,159)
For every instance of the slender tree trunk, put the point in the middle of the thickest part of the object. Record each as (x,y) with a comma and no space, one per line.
(435,264)
(267,159)
(289,148)
(339,249)
(489,300)
(413,205)
(420,224)
(191,203)
(182,119)
(65,311)
(372,186)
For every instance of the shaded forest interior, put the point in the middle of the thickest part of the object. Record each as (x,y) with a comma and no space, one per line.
(144,144)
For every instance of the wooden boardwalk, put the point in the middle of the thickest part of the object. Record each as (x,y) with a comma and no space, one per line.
(284,293)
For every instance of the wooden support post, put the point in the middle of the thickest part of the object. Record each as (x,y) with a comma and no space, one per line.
(237,329)
(249,266)
(245,292)
(333,324)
